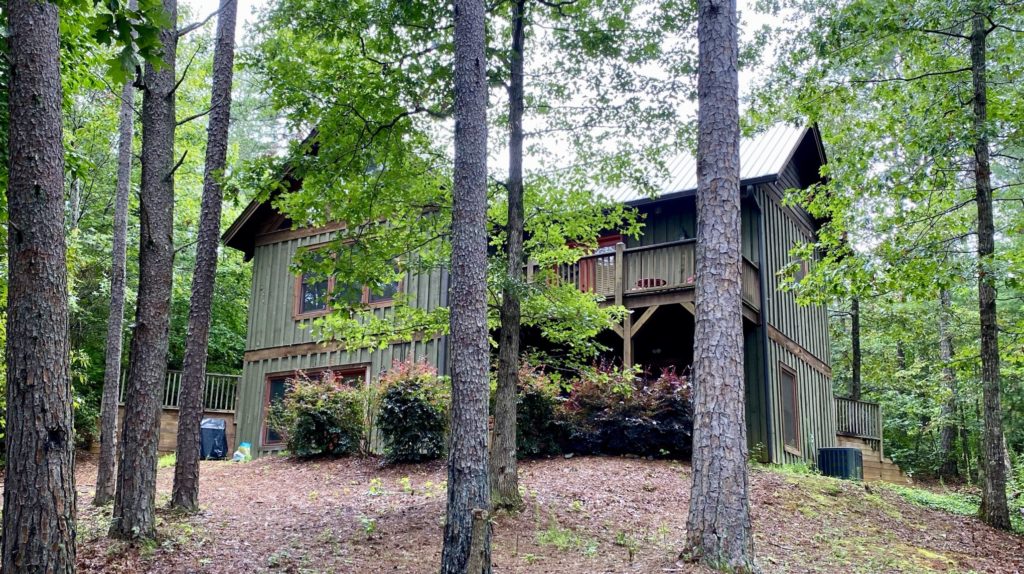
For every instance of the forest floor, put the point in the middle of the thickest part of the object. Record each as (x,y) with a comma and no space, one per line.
(584,515)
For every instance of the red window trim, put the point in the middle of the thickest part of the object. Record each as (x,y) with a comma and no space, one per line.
(339,371)
(364,298)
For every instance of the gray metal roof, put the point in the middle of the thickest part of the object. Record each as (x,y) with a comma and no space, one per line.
(762,155)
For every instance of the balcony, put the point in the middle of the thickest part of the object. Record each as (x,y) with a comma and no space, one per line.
(652,275)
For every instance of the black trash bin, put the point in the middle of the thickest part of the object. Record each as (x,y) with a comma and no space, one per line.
(214,439)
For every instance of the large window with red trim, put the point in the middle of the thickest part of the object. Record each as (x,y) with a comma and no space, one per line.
(278,384)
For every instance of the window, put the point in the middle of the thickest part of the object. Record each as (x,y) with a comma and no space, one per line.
(278,385)
(312,294)
(314,291)
(386,295)
(790,395)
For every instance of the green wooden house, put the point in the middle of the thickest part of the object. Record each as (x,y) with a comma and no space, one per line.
(791,410)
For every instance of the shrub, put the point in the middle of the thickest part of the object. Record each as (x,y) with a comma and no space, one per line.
(320,416)
(537,430)
(86,423)
(413,413)
(612,410)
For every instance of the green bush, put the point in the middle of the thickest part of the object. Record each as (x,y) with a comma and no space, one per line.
(413,413)
(86,423)
(536,406)
(320,417)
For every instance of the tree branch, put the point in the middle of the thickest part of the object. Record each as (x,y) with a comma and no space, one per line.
(177,165)
(200,114)
(912,78)
(197,25)
(184,73)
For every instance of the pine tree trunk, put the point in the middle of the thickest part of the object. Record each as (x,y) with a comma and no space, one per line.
(39,484)
(135,500)
(997,512)
(949,409)
(504,470)
(468,484)
(115,320)
(719,532)
(855,361)
(185,494)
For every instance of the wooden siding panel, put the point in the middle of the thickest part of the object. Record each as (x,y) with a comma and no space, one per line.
(817,407)
(807,326)
(253,383)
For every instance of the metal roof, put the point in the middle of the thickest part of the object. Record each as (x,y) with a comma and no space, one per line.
(762,155)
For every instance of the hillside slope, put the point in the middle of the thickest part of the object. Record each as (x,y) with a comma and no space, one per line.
(584,515)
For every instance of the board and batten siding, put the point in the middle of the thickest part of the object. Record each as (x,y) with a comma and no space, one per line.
(815,401)
(272,327)
(804,326)
(676,219)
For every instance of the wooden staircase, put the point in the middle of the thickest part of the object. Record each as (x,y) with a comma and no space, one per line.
(876,466)
(859,425)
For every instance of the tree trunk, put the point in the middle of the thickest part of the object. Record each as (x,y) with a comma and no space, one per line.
(115,320)
(185,494)
(39,483)
(719,532)
(504,470)
(135,499)
(855,382)
(468,484)
(950,428)
(997,512)
(75,207)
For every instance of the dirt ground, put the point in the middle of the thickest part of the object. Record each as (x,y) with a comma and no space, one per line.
(584,515)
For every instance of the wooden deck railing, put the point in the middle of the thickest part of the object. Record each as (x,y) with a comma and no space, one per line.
(858,418)
(219,394)
(651,268)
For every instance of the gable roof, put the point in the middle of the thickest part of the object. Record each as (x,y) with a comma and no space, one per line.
(763,156)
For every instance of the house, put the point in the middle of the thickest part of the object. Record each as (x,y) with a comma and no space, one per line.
(791,409)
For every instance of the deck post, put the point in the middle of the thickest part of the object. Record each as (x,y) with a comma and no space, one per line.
(881,439)
(620,249)
(627,322)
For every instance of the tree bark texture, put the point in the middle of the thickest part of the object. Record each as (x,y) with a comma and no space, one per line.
(857,356)
(504,470)
(185,494)
(950,428)
(115,320)
(39,485)
(996,511)
(468,484)
(719,532)
(135,499)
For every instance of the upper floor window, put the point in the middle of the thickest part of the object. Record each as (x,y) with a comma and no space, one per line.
(314,291)
(312,294)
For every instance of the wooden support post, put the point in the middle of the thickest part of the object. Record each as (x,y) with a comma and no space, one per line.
(627,323)
(620,271)
(627,340)
(881,438)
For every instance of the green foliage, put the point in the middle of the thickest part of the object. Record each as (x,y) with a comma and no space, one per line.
(320,417)
(413,415)
(167,461)
(536,411)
